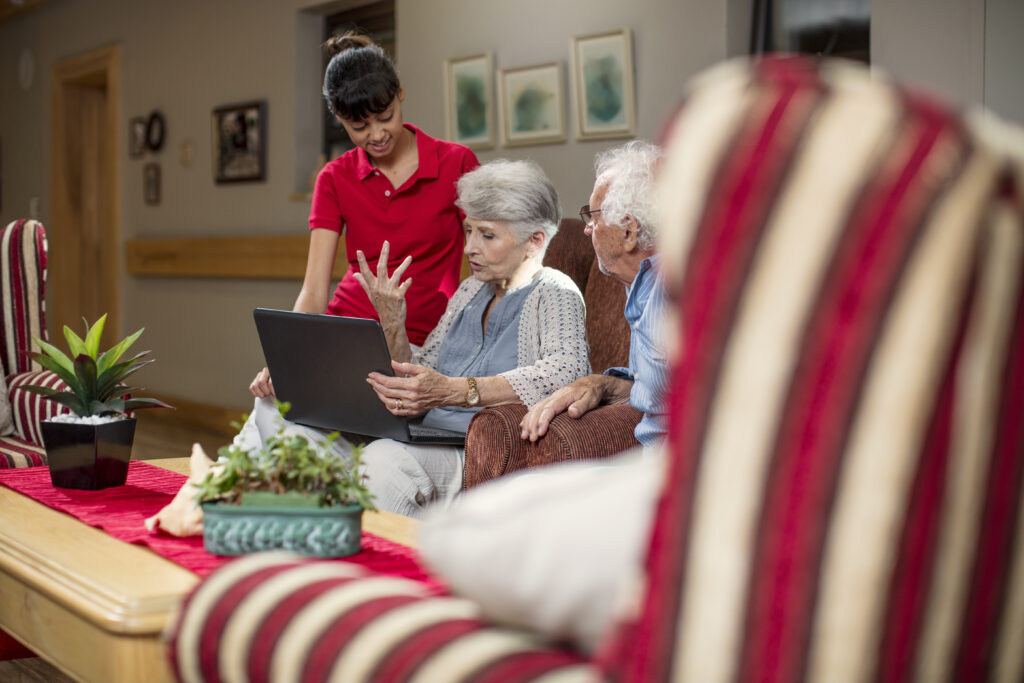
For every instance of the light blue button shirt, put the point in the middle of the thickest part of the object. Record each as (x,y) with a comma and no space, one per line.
(648,362)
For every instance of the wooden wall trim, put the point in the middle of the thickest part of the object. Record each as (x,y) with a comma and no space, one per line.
(188,413)
(265,256)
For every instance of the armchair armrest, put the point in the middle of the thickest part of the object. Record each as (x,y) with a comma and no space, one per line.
(273,616)
(494,448)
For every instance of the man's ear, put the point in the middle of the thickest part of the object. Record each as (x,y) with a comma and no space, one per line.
(629,233)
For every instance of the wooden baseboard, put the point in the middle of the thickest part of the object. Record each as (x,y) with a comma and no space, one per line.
(211,418)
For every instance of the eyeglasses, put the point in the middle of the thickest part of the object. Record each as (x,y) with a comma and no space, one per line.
(586,214)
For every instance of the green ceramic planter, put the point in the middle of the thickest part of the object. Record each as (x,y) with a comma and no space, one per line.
(318,532)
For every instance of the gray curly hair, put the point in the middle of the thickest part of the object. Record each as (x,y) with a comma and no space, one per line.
(628,173)
(518,192)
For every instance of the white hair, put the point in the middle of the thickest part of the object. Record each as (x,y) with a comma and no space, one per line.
(628,173)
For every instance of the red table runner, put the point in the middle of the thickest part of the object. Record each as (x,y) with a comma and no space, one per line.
(120,511)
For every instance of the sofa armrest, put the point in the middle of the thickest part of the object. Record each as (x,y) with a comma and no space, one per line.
(494,448)
(278,617)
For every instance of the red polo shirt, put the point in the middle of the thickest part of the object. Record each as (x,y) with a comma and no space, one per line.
(419,218)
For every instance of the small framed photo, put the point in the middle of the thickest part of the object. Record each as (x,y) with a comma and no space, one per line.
(533,104)
(469,100)
(239,142)
(151,183)
(156,130)
(602,68)
(136,137)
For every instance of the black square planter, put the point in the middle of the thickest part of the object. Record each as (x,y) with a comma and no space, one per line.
(85,456)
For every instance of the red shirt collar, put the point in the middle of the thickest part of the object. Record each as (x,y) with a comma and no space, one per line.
(426,146)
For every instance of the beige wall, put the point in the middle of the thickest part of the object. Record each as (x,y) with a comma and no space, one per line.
(1004,58)
(190,56)
(936,44)
(673,39)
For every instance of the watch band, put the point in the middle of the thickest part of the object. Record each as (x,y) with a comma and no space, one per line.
(472,396)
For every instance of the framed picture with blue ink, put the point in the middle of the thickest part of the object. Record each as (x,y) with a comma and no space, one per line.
(533,104)
(469,100)
(602,69)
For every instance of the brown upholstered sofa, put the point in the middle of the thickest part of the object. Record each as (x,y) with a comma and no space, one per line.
(493,445)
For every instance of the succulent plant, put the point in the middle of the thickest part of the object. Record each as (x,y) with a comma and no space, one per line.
(95,381)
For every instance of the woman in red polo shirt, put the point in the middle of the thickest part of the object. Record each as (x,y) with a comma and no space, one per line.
(397,185)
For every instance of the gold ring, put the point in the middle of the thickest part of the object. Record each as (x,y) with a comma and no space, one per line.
(398,404)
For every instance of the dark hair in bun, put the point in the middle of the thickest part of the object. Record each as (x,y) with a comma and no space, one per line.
(360,79)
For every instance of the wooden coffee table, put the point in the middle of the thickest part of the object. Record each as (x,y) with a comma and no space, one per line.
(94,606)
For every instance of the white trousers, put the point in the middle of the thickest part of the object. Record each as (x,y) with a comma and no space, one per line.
(402,477)
(407,478)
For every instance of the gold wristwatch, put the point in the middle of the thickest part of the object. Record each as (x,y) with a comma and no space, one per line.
(472,396)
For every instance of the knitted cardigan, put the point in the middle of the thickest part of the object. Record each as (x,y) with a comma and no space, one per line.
(553,349)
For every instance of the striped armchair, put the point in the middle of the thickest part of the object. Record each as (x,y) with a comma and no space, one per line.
(843,493)
(23,316)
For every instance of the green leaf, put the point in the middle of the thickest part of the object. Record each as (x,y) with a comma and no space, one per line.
(136,403)
(107,407)
(116,374)
(69,376)
(85,369)
(113,354)
(55,354)
(75,343)
(62,397)
(92,336)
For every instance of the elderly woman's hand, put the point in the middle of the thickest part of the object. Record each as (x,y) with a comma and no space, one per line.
(416,389)
(387,294)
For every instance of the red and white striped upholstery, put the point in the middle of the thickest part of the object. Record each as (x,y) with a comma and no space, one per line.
(844,496)
(274,617)
(846,450)
(22,317)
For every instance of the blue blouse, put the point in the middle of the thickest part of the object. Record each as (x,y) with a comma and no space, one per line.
(468,351)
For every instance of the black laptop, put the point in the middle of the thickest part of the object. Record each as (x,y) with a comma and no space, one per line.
(319,364)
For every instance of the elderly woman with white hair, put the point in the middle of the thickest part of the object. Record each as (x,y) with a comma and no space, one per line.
(513,333)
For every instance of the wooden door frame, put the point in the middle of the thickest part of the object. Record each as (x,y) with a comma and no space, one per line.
(98,68)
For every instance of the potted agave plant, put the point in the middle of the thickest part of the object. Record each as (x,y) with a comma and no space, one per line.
(291,494)
(90,447)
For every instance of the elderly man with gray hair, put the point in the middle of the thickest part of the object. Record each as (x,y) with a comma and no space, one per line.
(620,221)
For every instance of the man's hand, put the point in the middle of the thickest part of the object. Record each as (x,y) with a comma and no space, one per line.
(416,389)
(576,399)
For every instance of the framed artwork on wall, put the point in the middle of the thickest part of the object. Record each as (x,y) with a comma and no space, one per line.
(602,69)
(469,100)
(533,104)
(156,131)
(136,137)
(239,142)
(151,183)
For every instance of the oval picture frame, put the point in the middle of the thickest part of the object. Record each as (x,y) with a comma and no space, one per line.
(155,130)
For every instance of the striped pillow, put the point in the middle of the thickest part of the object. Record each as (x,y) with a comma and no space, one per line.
(28,409)
(276,617)
(844,498)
